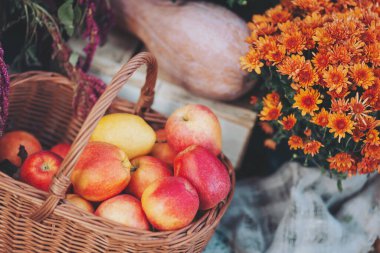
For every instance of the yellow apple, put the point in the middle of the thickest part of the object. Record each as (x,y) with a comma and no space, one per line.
(127,131)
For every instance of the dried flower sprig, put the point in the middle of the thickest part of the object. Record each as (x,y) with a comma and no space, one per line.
(4,92)
(87,87)
(321,62)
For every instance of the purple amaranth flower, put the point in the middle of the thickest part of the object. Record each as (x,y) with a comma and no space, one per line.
(4,92)
(92,34)
(105,20)
(88,90)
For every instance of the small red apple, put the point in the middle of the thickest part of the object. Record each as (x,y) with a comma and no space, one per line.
(205,172)
(39,169)
(170,203)
(80,202)
(161,148)
(10,145)
(103,171)
(147,170)
(61,149)
(124,209)
(194,125)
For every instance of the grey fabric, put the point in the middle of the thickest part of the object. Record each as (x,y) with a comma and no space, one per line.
(299,210)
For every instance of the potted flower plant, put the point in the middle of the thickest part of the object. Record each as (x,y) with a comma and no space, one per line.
(321,64)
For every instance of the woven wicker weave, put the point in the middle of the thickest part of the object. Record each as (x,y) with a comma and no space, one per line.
(36,221)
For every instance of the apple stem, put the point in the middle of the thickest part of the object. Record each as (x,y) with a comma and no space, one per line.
(133,169)
(45,167)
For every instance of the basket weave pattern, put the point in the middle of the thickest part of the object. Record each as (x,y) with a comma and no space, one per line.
(35,221)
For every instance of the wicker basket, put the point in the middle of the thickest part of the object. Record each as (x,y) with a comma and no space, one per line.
(35,221)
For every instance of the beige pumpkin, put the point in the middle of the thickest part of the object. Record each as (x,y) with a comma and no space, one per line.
(197,44)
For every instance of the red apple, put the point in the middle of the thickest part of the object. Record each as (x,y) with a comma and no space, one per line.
(170,203)
(103,171)
(39,169)
(80,202)
(10,145)
(147,170)
(61,149)
(161,148)
(205,172)
(124,209)
(194,125)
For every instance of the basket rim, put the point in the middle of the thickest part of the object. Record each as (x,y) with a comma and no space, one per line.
(203,224)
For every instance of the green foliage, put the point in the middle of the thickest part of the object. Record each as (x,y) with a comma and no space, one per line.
(27,21)
(66,16)
(231,3)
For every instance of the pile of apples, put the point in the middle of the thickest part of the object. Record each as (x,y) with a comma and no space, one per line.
(133,175)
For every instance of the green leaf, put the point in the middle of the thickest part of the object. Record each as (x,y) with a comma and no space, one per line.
(77,16)
(73,58)
(239,2)
(66,16)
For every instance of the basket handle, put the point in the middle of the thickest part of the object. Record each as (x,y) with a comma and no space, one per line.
(62,181)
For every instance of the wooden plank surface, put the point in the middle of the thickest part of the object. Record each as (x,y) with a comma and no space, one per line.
(236,122)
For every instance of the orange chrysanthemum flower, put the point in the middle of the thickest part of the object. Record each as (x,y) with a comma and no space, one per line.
(370,123)
(341,94)
(272,99)
(359,109)
(321,118)
(314,20)
(291,65)
(372,151)
(288,122)
(373,53)
(295,142)
(251,61)
(269,113)
(322,37)
(339,54)
(308,5)
(276,55)
(342,162)
(368,165)
(253,100)
(338,29)
(264,45)
(307,101)
(339,105)
(251,38)
(312,148)
(340,124)
(288,27)
(357,134)
(306,76)
(372,96)
(262,28)
(336,78)
(259,19)
(271,144)
(307,132)
(294,42)
(266,127)
(278,14)
(372,137)
(362,75)
(320,60)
